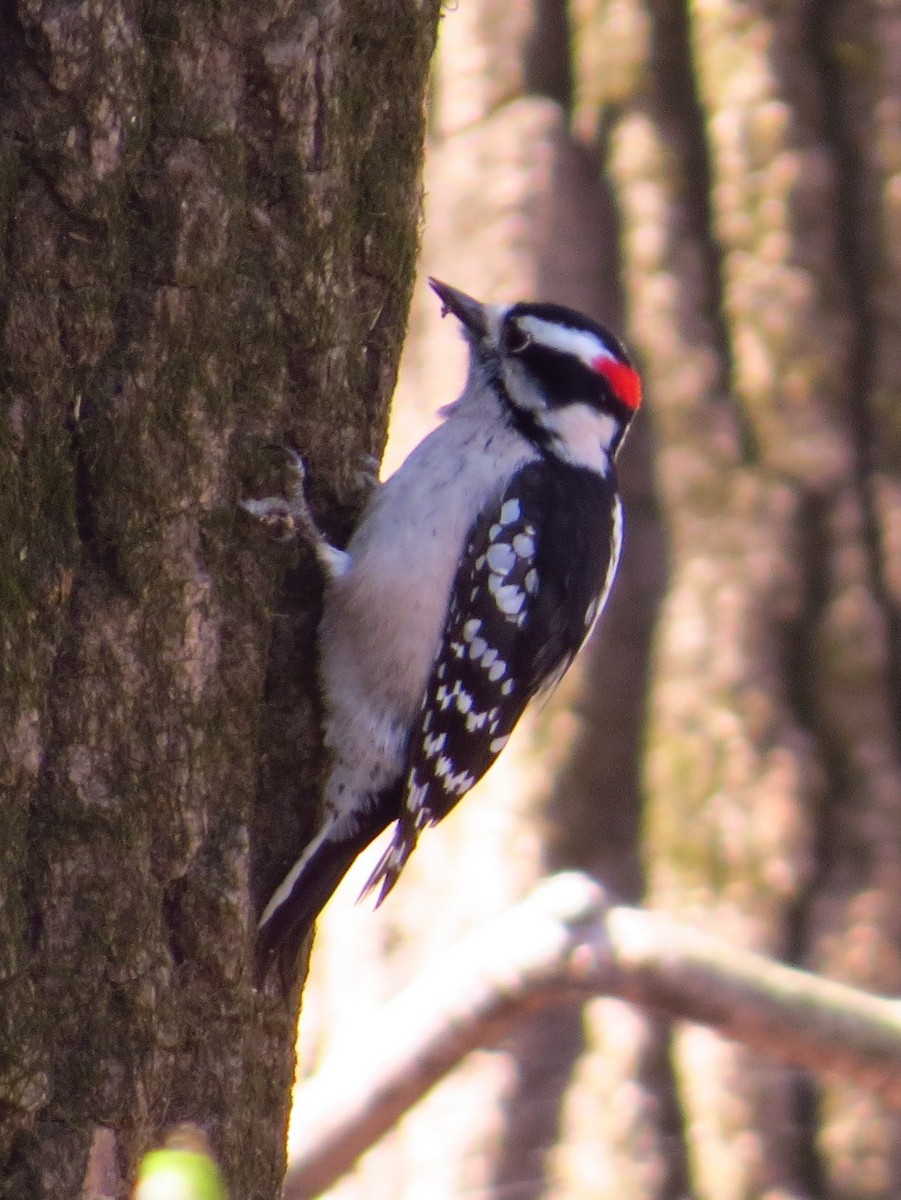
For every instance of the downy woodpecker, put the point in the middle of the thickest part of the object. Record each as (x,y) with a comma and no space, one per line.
(473,578)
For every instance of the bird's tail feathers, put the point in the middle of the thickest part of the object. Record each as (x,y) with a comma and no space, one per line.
(297,902)
(388,868)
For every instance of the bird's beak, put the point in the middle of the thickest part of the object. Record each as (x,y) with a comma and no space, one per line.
(470,313)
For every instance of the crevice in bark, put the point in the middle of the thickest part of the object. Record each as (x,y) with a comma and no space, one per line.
(545,1050)
(857,234)
(85,515)
(317,156)
(806,1095)
(172,900)
(676,1184)
(800,655)
(11,40)
(547,66)
(17,64)
(671,67)
(802,684)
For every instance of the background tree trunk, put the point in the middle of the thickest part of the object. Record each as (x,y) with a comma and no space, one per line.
(209,219)
(720,180)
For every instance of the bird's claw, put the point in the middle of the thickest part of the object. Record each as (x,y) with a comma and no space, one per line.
(285,516)
(276,514)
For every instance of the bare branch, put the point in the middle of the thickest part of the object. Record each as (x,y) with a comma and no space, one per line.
(564,942)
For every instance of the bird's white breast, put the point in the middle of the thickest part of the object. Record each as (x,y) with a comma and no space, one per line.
(384,616)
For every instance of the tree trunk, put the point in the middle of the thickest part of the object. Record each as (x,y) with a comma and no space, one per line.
(209,223)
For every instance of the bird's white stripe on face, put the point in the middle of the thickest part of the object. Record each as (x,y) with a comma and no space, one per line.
(583,435)
(580,343)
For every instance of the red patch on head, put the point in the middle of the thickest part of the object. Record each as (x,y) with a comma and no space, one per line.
(624,380)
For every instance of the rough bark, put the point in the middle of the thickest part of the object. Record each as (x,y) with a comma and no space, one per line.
(209,219)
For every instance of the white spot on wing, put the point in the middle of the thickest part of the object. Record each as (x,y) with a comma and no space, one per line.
(511,511)
(455,783)
(508,597)
(434,744)
(501,557)
(524,545)
(416,796)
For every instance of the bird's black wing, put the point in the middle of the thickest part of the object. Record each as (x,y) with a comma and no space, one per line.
(536,571)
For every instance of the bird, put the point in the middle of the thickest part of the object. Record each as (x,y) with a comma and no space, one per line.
(473,578)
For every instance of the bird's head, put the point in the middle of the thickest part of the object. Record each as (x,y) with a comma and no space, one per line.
(567,382)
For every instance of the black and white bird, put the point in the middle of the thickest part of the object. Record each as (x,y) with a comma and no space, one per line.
(473,578)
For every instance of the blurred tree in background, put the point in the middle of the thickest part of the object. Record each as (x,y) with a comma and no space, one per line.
(722,182)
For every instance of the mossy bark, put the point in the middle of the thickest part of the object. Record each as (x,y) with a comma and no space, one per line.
(210,220)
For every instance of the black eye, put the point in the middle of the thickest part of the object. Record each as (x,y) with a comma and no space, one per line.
(515,340)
